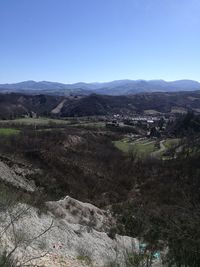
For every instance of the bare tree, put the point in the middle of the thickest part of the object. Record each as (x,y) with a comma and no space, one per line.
(12,215)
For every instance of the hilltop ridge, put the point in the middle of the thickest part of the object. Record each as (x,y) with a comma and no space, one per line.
(118,87)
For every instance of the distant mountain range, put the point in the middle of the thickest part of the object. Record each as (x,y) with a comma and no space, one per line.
(120,87)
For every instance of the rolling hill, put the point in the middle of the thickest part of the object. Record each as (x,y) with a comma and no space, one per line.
(15,105)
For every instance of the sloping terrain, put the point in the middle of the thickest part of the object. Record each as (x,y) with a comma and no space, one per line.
(139,103)
(155,200)
(16,105)
(36,234)
(68,231)
(81,163)
(16,176)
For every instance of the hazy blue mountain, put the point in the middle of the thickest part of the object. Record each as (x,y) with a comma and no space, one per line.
(120,87)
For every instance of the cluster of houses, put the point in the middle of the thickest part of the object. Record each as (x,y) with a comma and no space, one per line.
(153,126)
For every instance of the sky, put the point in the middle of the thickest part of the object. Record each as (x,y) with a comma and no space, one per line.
(99,40)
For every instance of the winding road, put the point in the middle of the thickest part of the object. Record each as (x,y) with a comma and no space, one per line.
(157,153)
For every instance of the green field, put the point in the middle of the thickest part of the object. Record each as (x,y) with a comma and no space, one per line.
(33,121)
(90,124)
(169,143)
(8,131)
(146,147)
(142,148)
(46,121)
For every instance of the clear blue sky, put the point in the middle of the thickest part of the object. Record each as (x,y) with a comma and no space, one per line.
(99,40)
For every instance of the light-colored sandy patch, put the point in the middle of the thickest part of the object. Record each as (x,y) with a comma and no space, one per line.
(180,110)
(58,108)
(151,112)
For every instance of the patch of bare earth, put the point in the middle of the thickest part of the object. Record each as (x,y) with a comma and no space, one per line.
(52,260)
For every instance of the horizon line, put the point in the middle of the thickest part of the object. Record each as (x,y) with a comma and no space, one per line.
(98,82)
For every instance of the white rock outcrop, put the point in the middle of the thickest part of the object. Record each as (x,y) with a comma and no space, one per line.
(70,234)
(16,177)
(85,214)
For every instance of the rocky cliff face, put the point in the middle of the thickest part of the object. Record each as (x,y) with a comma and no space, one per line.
(66,233)
(68,230)
(16,176)
(86,214)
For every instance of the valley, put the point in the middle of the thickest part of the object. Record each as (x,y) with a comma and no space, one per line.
(99,133)
(98,178)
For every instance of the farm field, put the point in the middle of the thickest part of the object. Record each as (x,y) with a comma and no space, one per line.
(45,121)
(168,143)
(35,121)
(146,147)
(141,147)
(90,124)
(9,131)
